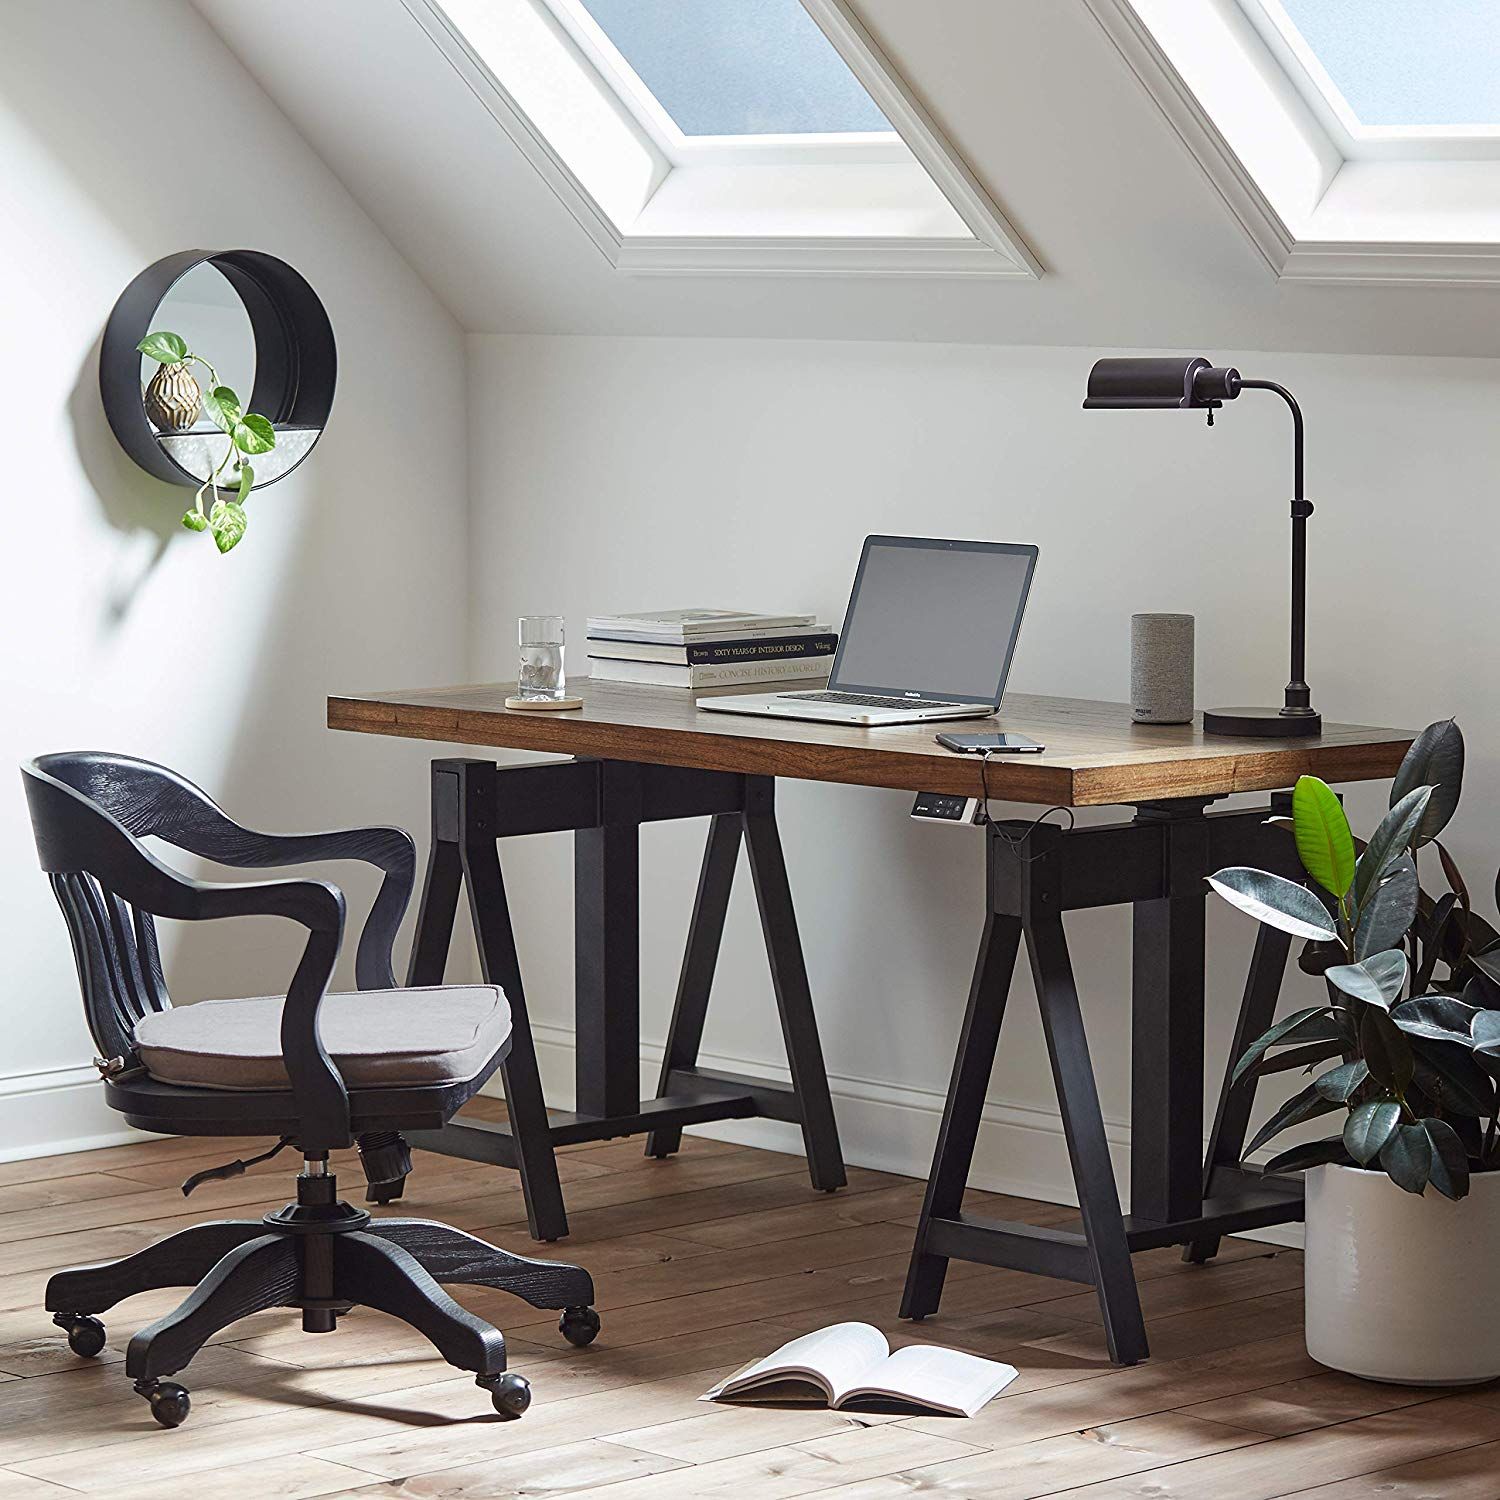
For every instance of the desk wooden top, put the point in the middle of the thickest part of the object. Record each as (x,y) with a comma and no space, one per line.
(1095,755)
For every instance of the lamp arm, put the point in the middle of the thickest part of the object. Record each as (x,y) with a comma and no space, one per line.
(1298,695)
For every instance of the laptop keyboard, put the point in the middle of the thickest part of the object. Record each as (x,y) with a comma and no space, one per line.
(867,700)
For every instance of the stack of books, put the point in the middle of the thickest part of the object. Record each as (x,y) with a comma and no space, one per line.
(702,648)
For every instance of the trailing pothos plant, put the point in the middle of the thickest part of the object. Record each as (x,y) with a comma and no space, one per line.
(249,434)
(1412,1025)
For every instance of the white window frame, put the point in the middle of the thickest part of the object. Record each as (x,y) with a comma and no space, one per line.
(656,201)
(1322,197)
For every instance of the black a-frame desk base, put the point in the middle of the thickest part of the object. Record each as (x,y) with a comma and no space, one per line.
(603,803)
(1157,863)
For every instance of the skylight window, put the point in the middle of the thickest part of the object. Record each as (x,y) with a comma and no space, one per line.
(1403,63)
(738,67)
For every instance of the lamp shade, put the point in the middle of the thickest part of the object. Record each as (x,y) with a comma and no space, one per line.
(1134,384)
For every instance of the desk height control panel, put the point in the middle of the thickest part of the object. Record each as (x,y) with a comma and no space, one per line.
(946,807)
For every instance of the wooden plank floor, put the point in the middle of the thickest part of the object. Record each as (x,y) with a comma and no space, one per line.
(701,1262)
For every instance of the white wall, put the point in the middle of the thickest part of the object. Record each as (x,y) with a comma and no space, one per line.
(619,473)
(124,137)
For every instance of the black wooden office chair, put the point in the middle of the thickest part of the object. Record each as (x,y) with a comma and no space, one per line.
(317,1071)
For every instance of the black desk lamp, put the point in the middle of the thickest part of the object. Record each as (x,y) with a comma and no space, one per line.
(1136,384)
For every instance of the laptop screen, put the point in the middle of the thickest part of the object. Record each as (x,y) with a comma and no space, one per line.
(933,619)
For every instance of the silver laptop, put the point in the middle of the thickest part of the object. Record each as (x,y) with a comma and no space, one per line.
(929,634)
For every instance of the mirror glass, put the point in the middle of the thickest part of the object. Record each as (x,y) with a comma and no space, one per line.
(206,312)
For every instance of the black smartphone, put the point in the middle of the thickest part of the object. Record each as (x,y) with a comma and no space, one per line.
(1001,743)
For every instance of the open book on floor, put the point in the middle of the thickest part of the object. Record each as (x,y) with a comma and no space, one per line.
(851,1363)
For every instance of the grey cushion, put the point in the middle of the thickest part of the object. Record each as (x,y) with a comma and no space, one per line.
(391,1038)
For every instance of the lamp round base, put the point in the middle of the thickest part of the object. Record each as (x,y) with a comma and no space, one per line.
(1261,723)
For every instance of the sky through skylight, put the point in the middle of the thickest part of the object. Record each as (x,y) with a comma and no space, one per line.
(738,67)
(1408,62)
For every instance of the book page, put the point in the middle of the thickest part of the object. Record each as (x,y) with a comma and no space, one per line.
(944,1379)
(840,1358)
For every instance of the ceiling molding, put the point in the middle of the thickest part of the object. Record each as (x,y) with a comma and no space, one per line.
(1291,255)
(997,250)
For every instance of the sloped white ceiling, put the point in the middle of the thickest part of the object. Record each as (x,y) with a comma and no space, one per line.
(1138,248)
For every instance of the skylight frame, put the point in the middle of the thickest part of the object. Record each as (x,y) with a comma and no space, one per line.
(1355,140)
(803,148)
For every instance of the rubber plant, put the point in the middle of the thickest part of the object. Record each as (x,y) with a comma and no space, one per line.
(249,435)
(1407,1049)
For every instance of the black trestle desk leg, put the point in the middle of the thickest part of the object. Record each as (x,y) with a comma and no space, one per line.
(1232,1120)
(959,1130)
(799,1027)
(607,949)
(1166,1047)
(705,932)
(1088,1149)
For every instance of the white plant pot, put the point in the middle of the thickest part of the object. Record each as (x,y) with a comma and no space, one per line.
(1398,1286)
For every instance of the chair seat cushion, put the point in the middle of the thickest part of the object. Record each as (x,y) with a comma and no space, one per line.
(377,1038)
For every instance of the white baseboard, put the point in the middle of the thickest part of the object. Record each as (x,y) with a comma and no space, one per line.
(892,1128)
(56,1111)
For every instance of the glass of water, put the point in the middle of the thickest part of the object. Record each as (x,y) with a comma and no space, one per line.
(541,670)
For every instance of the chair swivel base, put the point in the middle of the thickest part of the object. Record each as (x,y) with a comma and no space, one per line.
(325,1257)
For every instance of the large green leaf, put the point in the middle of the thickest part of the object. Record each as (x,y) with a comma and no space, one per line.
(1301,1106)
(1450,1161)
(227,520)
(1485,1030)
(1407,1157)
(223,407)
(1369,1127)
(1324,842)
(1275,901)
(165,348)
(1440,1018)
(1389,911)
(1447,1073)
(1385,1049)
(1391,839)
(1337,1084)
(1308,1154)
(1315,1024)
(254,434)
(1436,759)
(1377,980)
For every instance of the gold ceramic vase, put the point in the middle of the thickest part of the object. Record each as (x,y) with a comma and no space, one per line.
(173,399)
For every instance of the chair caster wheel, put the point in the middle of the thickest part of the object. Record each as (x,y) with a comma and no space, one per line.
(510,1392)
(85,1334)
(170,1403)
(579,1325)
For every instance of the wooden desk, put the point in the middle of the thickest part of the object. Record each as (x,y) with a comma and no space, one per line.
(648,753)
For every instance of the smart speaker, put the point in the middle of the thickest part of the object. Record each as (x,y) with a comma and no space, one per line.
(1161,669)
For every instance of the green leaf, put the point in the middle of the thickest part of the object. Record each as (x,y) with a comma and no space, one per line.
(1385,1049)
(223,407)
(1324,842)
(254,434)
(1407,1158)
(1485,1030)
(1391,840)
(1447,1073)
(1337,1084)
(1308,1154)
(1301,1106)
(1307,1056)
(1439,1018)
(1488,963)
(228,521)
(195,520)
(1377,980)
(165,348)
(1387,915)
(1450,1161)
(1436,759)
(247,478)
(1312,1025)
(1369,1127)
(1275,901)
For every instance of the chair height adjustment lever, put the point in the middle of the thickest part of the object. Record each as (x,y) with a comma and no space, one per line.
(232,1168)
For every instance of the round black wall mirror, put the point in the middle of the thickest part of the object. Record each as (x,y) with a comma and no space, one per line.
(267,334)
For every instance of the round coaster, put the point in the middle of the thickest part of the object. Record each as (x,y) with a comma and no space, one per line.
(543,705)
